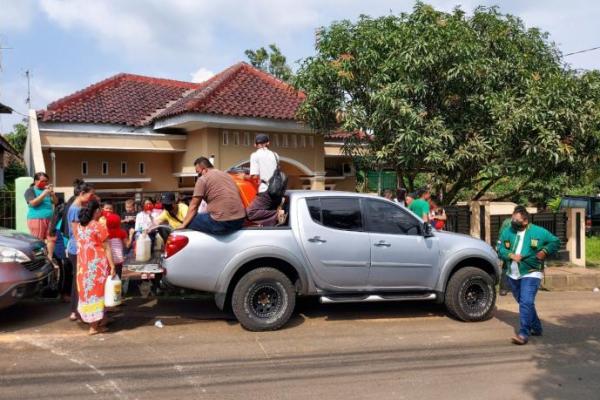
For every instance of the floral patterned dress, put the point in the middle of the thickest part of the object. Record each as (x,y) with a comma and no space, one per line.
(92,271)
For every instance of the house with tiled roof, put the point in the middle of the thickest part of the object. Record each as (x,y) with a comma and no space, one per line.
(132,133)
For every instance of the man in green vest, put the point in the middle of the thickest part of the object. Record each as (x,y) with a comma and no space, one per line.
(523,249)
(420,206)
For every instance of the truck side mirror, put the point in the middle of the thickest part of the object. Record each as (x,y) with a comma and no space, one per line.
(427,229)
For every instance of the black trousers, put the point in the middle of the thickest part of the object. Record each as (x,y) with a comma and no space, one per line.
(263,210)
(74,292)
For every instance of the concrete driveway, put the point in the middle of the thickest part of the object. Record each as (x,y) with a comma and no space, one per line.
(368,351)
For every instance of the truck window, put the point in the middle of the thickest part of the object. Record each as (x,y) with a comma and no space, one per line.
(382,217)
(336,213)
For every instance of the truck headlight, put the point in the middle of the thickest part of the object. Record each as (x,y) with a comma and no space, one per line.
(9,254)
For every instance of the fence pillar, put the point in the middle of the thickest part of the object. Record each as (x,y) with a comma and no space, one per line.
(481,224)
(21,185)
(576,236)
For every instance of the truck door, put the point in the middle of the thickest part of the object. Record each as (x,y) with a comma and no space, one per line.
(334,242)
(401,257)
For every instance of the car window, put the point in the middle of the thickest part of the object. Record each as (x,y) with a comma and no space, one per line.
(314,208)
(578,203)
(336,212)
(383,217)
(596,210)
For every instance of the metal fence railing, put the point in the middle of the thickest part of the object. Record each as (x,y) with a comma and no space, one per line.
(553,222)
(458,219)
(7,209)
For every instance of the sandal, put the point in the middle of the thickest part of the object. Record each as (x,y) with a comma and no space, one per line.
(519,340)
(99,330)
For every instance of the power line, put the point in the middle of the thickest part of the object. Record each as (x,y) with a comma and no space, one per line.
(582,51)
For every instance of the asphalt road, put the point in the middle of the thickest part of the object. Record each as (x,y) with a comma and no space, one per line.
(368,351)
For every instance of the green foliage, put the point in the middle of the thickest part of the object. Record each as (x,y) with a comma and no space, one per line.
(13,171)
(271,61)
(18,137)
(480,104)
(592,252)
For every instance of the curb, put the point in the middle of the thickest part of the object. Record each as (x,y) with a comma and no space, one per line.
(571,282)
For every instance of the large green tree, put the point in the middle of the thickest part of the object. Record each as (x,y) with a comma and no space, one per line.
(271,61)
(18,137)
(479,103)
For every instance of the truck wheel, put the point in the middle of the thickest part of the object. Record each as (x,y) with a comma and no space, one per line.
(470,295)
(263,300)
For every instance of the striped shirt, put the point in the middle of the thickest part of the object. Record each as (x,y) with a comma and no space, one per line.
(116,248)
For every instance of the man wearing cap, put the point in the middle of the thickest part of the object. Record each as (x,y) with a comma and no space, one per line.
(263,162)
(173,212)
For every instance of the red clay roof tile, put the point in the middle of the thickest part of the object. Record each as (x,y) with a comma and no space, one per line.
(135,100)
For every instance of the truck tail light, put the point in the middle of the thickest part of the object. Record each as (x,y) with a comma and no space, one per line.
(588,222)
(174,244)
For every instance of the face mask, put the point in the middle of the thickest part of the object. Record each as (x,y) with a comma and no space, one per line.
(148,207)
(42,184)
(106,213)
(516,225)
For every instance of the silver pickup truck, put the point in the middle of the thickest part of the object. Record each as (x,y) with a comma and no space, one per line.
(342,247)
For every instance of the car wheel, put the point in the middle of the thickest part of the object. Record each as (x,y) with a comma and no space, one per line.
(470,295)
(263,299)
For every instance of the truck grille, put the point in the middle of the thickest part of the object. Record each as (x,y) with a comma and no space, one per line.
(35,264)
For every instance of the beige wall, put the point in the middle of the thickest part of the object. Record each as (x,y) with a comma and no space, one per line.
(158,168)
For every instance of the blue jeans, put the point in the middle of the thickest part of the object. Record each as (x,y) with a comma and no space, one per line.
(204,223)
(524,291)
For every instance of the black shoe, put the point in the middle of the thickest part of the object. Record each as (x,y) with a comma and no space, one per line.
(534,333)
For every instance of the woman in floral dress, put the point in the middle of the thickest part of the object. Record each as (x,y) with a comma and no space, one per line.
(94,266)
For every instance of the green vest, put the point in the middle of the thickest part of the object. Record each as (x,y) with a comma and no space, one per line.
(536,239)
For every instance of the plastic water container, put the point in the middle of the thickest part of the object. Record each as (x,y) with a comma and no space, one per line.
(112,291)
(143,248)
(158,243)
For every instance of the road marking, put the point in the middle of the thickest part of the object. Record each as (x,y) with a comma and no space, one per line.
(116,390)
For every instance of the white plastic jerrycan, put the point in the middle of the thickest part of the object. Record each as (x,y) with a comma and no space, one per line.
(112,291)
(158,243)
(143,248)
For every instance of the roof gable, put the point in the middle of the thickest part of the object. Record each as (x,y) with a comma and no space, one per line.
(123,99)
(135,100)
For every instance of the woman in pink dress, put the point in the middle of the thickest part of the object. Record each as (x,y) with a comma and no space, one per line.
(94,266)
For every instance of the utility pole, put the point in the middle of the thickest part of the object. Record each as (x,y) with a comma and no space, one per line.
(28,100)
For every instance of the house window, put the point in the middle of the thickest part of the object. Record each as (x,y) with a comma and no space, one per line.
(246,138)
(294,143)
(236,138)
(142,168)
(276,140)
(284,141)
(311,141)
(104,167)
(225,138)
(84,168)
(302,141)
(123,167)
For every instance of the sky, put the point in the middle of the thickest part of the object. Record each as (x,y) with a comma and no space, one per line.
(69,44)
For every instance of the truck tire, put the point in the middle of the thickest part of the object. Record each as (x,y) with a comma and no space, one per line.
(263,299)
(470,295)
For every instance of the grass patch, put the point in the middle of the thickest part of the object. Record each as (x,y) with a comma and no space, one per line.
(592,252)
